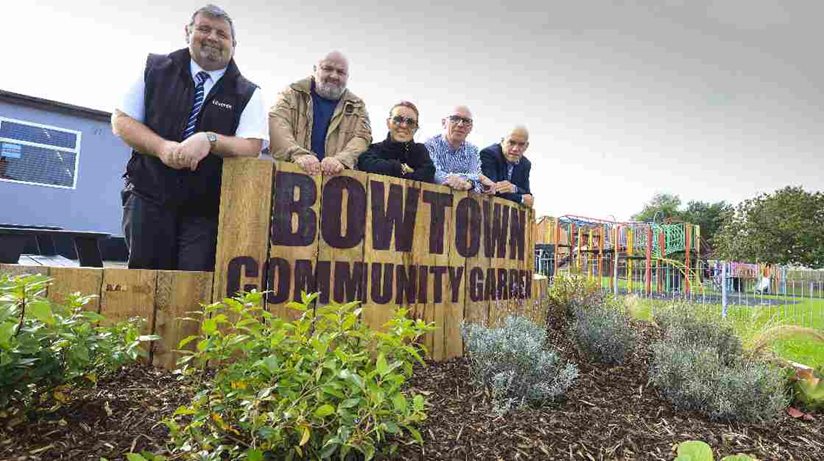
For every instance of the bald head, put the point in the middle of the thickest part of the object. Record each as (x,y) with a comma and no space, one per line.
(519,130)
(514,145)
(336,57)
(331,75)
(457,125)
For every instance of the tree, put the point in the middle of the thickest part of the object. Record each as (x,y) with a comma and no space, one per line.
(786,227)
(660,208)
(709,216)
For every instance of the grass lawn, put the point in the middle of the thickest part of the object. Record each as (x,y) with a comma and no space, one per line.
(750,321)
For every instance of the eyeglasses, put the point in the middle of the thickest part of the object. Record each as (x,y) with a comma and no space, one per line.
(401,121)
(457,120)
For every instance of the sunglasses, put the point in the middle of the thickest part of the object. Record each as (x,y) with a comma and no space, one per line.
(408,121)
(457,120)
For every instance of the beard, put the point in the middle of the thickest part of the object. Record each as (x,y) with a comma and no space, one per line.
(212,53)
(328,90)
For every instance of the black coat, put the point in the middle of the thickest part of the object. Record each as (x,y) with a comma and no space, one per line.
(493,166)
(386,157)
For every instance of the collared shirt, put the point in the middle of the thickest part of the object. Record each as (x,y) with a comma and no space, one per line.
(510,167)
(254,120)
(465,161)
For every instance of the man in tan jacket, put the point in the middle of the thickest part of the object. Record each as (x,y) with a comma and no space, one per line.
(319,124)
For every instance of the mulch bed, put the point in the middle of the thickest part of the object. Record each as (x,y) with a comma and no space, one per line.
(119,415)
(609,413)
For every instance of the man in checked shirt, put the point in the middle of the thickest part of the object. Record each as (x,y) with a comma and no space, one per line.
(457,162)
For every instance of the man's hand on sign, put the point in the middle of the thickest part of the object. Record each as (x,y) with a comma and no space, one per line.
(168,155)
(331,166)
(406,169)
(309,164)
(528,200)
(488,185)
(505,186)
(193,150)
(457,182)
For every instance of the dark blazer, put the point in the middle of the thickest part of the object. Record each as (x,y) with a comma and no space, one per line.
(386,157)
(493,166)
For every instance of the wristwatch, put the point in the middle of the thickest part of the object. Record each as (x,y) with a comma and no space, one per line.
(212,137)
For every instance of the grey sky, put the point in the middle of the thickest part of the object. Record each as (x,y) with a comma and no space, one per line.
(710,100)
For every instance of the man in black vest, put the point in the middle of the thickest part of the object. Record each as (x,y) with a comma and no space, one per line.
(506,165)
(188,110)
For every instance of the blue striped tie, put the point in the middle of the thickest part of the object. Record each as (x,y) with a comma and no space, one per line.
(190,125)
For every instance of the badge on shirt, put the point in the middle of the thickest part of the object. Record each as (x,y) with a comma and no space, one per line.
(222,105)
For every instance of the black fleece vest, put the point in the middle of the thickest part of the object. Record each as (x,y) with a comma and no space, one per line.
(169,97)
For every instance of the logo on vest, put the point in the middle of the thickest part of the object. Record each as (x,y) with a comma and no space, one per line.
(222,105)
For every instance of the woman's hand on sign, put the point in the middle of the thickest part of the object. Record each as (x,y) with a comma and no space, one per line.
(406,169)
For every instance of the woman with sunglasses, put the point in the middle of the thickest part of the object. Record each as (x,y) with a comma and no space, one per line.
(399,155)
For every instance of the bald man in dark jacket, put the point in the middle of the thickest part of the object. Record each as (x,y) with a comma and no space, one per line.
(506,165)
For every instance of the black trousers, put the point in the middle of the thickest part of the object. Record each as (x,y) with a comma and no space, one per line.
(165,238)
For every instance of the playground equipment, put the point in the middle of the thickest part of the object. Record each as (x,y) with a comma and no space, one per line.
(641,252)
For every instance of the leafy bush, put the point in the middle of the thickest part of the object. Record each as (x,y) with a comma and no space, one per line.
(808,389)
(43,345)
(320,386)
(604,333)
(569,292)
(696,450)
(699,366)
(512,363)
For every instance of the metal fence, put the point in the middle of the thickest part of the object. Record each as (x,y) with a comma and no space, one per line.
(787,295)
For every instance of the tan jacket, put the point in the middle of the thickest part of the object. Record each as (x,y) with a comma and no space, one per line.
(290,126)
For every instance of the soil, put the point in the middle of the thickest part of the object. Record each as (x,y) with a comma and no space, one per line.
(609,413)
(121,414)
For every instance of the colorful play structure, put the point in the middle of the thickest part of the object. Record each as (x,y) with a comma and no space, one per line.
(639,256)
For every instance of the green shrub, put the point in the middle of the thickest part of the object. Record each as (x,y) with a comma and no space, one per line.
(513,364)
(44,345)
(603,333)
(569,292)
(688,324)
(320,386)
(699,366)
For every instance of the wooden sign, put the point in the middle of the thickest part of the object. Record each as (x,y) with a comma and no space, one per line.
(69,280)
(177,302)
(243,226)
(447,256)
